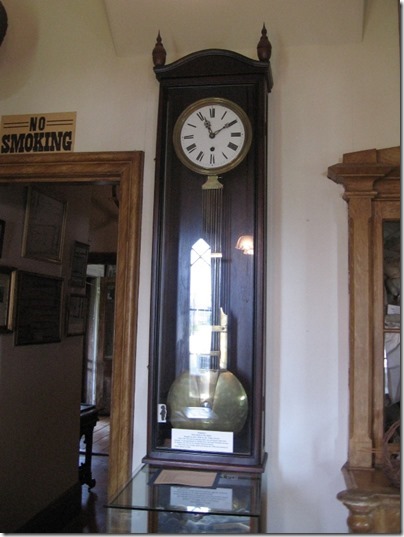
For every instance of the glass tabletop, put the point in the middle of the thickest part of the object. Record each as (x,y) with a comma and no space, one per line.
(197,491)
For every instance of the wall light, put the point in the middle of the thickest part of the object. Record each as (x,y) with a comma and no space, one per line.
(246,244)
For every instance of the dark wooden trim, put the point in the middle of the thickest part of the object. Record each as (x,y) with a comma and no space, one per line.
(214,63)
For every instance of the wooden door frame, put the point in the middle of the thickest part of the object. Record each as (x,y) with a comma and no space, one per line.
(125,169)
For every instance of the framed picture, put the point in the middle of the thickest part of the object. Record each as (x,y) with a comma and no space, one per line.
(79,264)
(38,308)
(44,227)
(7,292)
(76,315)
(2,231)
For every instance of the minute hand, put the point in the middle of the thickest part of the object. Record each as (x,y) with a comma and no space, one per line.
(226,126)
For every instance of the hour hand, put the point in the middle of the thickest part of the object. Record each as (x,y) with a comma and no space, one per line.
(208,125)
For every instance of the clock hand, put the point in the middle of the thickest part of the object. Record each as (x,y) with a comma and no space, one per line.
(208,126)
(225,126)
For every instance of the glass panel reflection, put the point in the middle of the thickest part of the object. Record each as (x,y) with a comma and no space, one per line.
(207,396)
(200,299)
(392,294)
(391,269)
(392,366)
(231,493)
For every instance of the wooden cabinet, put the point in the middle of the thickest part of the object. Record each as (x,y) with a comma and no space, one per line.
(371,181)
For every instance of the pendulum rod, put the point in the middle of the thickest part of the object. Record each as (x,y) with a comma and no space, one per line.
(212,208)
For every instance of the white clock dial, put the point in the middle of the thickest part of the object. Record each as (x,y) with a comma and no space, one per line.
(212,135)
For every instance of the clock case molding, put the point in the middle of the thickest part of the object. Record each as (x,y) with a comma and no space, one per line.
(246,82)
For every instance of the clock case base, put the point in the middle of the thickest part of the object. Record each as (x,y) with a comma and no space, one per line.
(229,75)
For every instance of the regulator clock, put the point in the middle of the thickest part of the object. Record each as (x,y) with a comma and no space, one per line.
(206,366)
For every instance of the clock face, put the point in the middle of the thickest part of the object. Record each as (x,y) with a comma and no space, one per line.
(212,136)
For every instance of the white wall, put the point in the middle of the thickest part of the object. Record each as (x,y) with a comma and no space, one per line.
(326,100)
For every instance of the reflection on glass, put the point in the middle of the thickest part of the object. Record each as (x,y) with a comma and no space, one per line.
(200,300)
(391,268)
(392,294)
(198,523)
(392,366)
(208,396)
(392,379)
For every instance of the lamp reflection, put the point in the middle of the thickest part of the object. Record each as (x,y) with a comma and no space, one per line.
(245,243)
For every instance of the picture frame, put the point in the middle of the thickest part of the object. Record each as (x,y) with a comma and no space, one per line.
(76,317)
(7,298)
(79,264)
(38,309)
(44,227)
(2,232)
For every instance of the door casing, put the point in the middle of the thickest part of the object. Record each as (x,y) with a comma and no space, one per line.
(126,170)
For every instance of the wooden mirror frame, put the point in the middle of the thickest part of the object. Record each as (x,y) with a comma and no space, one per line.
(125,169)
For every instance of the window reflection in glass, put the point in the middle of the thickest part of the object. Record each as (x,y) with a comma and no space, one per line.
(200,301)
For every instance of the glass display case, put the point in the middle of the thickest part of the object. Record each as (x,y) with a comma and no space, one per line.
(159,500)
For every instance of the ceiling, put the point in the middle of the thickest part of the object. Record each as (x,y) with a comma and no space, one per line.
(190,25)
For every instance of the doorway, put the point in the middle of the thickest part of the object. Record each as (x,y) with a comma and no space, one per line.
(126,170)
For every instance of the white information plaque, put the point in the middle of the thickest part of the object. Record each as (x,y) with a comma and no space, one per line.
(218,499)
(212,441)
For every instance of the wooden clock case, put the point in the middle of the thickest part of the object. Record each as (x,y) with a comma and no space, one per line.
(177,223)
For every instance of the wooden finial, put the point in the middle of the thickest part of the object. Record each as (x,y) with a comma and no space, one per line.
(264,47)
(159,52)
(3,22)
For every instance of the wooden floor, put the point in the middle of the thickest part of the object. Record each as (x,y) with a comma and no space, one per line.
(93,511)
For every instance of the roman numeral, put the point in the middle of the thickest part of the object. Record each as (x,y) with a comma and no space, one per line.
(232,123)
(191,148)
(235,134)
(200,115)
(212,112)
(200,156)
(230,145)
(188,137)
(191,125)
(224,114)
(212,159)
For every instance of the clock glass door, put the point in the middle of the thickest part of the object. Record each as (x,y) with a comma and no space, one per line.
(206,309)
(207,321)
